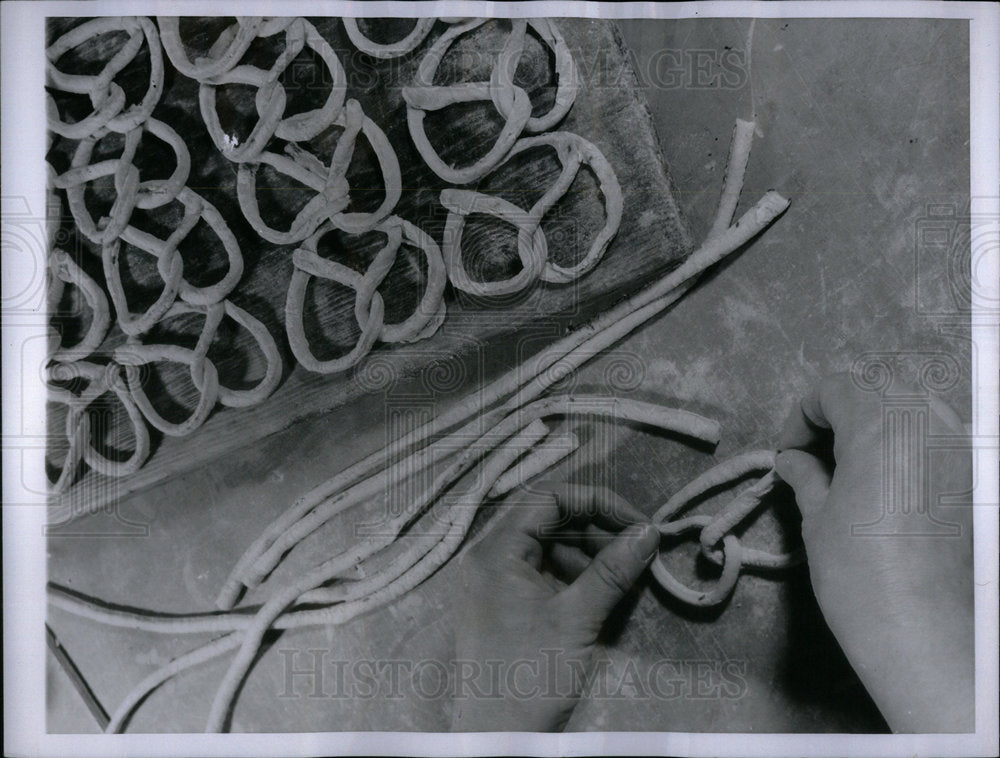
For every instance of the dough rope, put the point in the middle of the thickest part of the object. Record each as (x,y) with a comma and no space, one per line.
(718,529)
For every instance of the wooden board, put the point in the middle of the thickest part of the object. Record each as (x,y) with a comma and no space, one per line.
(608,111)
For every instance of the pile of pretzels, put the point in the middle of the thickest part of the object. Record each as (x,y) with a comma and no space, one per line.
(81,376)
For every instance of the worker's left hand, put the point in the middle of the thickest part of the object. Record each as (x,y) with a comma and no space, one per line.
(532,603)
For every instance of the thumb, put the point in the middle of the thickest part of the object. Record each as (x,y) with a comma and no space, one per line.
(807,475)
(611,574)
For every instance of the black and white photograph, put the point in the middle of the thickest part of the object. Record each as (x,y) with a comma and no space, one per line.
(500,378)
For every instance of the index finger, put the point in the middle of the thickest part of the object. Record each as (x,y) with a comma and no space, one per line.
(518,531)
(599,505)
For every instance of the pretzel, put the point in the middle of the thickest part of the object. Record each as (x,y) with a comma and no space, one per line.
(329,182)
(213,318)
(568,80)
(572,151)
(204,376)
(408,44)
(107,98)
(424,96)
(713,530)
(100,380)
(131,193)
(369,308)
(532,248)
(271,98)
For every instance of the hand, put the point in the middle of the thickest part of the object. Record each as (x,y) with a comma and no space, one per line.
(539,631)
(894,584)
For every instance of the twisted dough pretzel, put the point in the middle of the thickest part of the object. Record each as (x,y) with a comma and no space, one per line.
(329,182)
(369,308)
(717,529)
(270,98)
(170,265)
(572,151)
(100,380)
(532,248)
(204,375)
(424,96)
(106,97)
(214,314)
(130,191)
(511,101)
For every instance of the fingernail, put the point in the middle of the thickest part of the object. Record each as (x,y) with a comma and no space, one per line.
(643,534)
(780,462)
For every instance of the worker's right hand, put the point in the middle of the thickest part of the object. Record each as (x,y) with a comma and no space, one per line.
(890,563)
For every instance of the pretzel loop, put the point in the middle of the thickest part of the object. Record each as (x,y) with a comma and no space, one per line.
(100,380)
(109,466)
(424,96)
(197,208)
(204,376)
(64,270)
(408,44)
(531,245)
